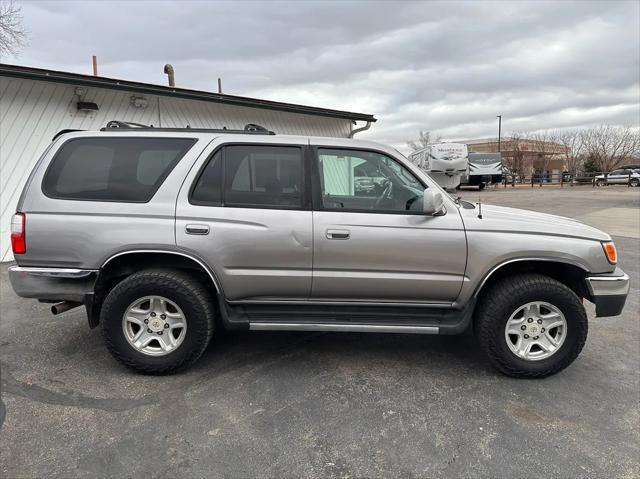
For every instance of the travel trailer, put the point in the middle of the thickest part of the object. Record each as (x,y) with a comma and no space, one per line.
(484,168)
(444,162)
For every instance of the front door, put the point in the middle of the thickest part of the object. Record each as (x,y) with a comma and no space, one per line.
(245,214)
(371,240)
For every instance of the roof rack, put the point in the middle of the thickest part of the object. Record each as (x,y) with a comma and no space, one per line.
(249,128)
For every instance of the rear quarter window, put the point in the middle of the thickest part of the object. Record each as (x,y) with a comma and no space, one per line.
(113,169)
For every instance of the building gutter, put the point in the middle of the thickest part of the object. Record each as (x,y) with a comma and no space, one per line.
(358,130)
(170,91)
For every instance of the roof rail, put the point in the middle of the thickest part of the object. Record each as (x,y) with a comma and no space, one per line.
(126,124)
(62,132)
(249,128)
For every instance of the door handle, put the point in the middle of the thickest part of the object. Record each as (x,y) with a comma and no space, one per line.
(197,229)
(338,234)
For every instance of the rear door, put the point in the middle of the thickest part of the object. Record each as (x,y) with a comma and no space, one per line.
(243,210)
(371,240)
(617,177)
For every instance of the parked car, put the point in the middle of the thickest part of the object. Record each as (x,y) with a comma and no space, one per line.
(168,235)
(622,176)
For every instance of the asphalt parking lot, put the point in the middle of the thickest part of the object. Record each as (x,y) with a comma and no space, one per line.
(329,405)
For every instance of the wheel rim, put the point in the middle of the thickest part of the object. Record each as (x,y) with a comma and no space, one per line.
(536,331)
(154,325)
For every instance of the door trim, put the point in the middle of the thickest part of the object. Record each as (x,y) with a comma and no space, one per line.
(328,302)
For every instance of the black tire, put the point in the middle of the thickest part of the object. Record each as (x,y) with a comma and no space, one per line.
(634,182)
(601,183)
(191,296)
(503,299)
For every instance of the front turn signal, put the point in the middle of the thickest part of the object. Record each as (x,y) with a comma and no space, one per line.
(610,252)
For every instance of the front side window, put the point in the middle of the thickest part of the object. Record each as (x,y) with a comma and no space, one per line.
(367,181)
(113,169)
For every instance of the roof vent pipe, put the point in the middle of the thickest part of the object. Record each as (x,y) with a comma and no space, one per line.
(168,69)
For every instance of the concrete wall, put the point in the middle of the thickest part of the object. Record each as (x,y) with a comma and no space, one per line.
(32,112)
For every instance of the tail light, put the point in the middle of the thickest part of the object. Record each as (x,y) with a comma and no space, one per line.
(610,252)
(18,243)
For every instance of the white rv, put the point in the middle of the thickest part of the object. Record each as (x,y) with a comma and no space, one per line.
(444,162)
(484,168)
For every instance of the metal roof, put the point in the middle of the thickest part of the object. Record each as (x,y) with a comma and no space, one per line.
(138,87)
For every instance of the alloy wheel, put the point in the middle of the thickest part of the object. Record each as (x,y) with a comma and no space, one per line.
(535,331)
(154,325)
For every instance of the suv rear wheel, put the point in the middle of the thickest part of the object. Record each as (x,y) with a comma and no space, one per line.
(157,321)
(531,325)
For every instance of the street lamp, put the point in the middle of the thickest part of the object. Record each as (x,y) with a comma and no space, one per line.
(499,117)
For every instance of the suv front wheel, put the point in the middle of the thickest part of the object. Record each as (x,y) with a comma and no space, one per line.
(531,325)
(157,321)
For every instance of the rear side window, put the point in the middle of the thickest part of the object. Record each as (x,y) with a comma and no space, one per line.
(260,176)
(207,190)
(113,169)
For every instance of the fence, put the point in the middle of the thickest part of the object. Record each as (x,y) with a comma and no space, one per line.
(568,179)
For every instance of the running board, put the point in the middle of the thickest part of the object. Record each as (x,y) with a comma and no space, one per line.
(344,327)
(353,318)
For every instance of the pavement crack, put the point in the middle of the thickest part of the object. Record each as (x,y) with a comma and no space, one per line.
(38,393)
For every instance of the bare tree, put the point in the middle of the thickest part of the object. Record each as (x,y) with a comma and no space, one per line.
(573,143)
(425,139)
(609,146)
(12,33)
(513,156)
(539,144)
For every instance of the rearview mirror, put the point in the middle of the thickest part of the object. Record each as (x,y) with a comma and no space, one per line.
(433,202)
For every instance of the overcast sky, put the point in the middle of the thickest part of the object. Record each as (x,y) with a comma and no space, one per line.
(447,67)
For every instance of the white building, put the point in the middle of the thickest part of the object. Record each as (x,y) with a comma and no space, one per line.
(35,104)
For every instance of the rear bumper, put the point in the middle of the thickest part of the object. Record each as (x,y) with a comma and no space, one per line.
(53,284)
(609,292)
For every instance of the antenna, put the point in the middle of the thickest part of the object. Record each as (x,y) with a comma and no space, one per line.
(479,208)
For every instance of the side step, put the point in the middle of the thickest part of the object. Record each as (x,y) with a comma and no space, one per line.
(348,318)
(344,327)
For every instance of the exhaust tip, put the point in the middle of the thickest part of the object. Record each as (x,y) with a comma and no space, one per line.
(64,306)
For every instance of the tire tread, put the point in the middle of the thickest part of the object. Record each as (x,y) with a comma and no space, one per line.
(171,280)
(502,294)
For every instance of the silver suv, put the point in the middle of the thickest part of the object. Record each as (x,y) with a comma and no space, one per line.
(166,235)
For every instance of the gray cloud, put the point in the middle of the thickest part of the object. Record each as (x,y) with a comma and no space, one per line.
(449,67)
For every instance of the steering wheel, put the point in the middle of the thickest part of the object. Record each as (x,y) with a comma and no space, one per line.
(386,193)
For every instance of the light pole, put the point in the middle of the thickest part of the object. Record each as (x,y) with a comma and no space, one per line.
(499,130)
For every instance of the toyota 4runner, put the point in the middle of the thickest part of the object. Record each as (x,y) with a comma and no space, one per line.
(165,235)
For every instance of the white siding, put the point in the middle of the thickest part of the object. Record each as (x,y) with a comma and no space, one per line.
(32,112)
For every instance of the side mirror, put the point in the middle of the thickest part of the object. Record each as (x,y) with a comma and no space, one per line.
(433,203)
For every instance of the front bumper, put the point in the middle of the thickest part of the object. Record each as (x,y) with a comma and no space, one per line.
(609,292)
(53,284)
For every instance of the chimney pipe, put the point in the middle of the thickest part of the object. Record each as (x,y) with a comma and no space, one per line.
(94,62)
(219,85)
(168,69)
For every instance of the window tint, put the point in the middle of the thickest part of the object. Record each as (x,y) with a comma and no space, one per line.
(364,180)
(113,169)
(259,175)
(207,190)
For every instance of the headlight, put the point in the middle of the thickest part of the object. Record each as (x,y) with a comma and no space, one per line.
(610,251)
